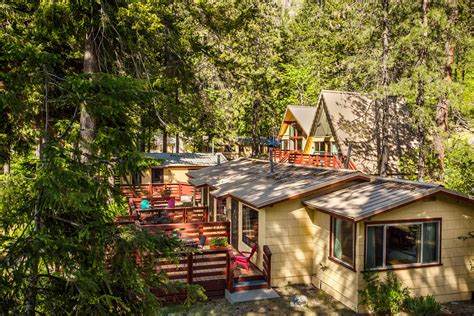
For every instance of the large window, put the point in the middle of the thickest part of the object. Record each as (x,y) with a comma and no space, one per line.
(157,176)
(391,245)
(343,241)
(249,226)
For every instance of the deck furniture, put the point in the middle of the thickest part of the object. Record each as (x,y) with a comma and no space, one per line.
(202,242)
(244,257)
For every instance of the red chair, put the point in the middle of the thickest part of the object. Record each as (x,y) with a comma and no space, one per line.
(244,259)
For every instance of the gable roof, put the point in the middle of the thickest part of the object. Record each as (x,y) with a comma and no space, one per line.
(304,116)
(367,199)
(249,180)
(187,159)
(353,119)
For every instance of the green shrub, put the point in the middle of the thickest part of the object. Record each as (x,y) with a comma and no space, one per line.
(219,242)
(423,305)
(383,297)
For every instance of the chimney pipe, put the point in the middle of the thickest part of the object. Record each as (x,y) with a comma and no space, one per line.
(271,160)
(348,157)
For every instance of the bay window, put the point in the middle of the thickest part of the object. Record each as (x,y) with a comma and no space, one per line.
(343,241)
(392,245)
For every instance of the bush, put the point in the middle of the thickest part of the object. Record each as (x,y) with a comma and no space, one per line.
(219,242)
(383,297)
(423,305)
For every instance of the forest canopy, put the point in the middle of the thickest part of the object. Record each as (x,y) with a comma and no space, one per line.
(84,86)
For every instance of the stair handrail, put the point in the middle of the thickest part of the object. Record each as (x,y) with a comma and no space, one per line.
(230,271)
(267,265)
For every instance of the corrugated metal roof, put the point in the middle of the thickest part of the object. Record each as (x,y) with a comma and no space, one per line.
(250,180)
(366,199)
(187,159)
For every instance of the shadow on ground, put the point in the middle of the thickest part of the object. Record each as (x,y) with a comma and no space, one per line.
(319,303)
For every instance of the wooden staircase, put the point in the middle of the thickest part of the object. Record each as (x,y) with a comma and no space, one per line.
(249,282)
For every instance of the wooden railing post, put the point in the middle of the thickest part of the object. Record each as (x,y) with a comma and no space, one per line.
(230,271)
(185,220)
(190,268)
(267,265)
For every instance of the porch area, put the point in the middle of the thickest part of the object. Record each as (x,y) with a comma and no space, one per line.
(213,269)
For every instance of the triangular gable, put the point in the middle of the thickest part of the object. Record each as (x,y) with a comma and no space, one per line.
(303,115)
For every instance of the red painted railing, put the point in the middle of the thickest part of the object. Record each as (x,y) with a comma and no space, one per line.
(175,215)
(156,190)
(318,160)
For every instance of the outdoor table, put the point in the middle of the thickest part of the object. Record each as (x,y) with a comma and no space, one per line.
(189,242)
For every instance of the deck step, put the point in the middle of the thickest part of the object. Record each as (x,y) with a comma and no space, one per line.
(242,278)
(252,295)
(250,285)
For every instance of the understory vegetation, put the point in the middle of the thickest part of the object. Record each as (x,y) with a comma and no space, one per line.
(85,86)
(389,297)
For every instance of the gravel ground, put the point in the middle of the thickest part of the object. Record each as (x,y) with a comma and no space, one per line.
(319,303)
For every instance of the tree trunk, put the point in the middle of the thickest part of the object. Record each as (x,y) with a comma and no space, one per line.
(420,99)
(386,105)
(442,108)
(255,140)
(165,141)
(87,122)
(177,143)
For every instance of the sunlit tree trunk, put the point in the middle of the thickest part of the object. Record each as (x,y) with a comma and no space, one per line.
(87,122)
(386,105)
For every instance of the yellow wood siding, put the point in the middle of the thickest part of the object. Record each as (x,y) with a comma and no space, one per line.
(331,277)
(289,234)
(454,280)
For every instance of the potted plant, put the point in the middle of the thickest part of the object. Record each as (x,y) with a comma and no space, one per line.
(166,193)
(219,243)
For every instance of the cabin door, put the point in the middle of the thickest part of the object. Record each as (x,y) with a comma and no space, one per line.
(234,229)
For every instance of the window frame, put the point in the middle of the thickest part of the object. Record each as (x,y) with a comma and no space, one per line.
(244,206)
(354,243)
(385,224)
(162,175)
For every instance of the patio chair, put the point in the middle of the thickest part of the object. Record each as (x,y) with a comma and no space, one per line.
(244,257)
(202,242)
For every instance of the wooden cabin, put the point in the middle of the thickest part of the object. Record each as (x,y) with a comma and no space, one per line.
(172,167)
(327,226)
(347,120)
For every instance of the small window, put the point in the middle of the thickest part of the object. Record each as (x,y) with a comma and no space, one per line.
(249,226)
(136,179)
(157,176)
(211,208)
(204,192)
(342,241)
(402,244)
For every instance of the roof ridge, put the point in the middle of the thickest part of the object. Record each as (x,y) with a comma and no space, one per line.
(418,183)
(302,106)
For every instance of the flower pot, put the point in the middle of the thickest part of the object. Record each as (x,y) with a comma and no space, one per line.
(219,247)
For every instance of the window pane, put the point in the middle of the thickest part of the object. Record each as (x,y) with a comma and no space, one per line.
(403,244)
(343,240)
(249,226)
(157,175)
(374,250)
(430,242)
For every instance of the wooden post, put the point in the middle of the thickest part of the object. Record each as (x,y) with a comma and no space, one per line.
(184,215)
(190,269)
(150,190)
(230,271)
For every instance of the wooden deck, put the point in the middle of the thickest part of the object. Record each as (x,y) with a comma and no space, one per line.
(156,190)
(317,160)
(214,270)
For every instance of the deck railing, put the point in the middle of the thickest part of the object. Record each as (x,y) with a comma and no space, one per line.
(267,265)
(230,271)
(318,160)
(156,190)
